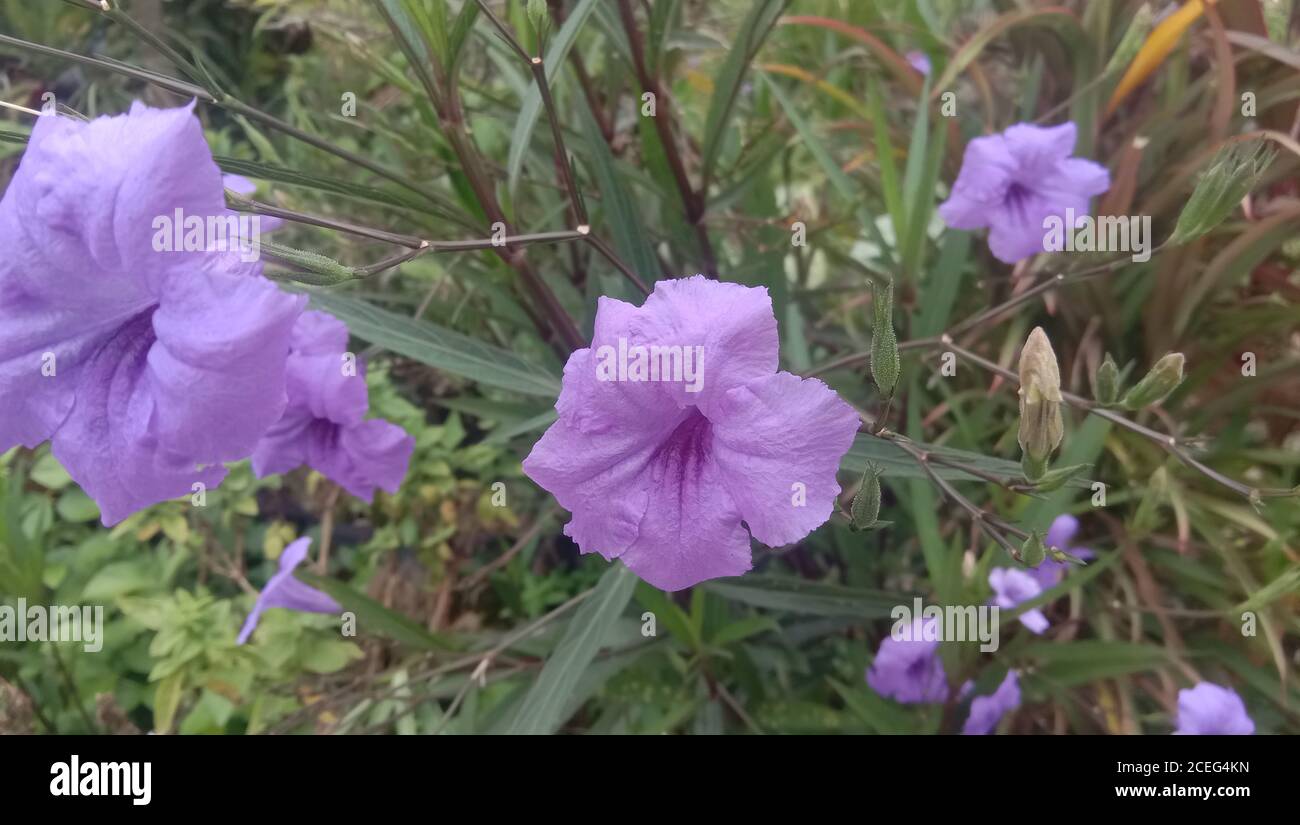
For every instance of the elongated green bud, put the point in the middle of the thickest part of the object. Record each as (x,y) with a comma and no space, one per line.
(313,268)
(884,344)
(538,14)
(1106,387)
(1232,173)
(1041,424)
(865,510)
(1032,551)
(1156,385)
(1056,479)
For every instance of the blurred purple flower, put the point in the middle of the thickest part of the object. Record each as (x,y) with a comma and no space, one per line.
(661,474)
(141,366)
(325,425)
(987,711)
(1060,535)
(1208,709)
(1012,182)
(919,61)
(283,590)
(909,669)
(1010,588)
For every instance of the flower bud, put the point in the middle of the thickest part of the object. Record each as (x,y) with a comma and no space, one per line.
(1163,379)
(884,344)
(1032,551)
(1041,425)
(865,510)
(1106,387)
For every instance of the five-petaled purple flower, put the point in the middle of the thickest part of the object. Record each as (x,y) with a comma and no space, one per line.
(1208,709)
(325,424)
(283,590)
(908,669)
(145,368)
(987,711)
(661,474)
(1014,181)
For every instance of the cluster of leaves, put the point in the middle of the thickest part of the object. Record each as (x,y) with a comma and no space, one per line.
(478,617)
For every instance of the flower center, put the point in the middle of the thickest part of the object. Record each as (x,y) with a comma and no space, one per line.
(682,455)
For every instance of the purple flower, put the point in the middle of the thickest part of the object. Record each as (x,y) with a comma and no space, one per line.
(283,590)
(908,668)
(1010,588)
(1059,535)
(145,368)
(1014,181)
(325,425)
(987,711)
(1208,709)
(661,473)
(919,61)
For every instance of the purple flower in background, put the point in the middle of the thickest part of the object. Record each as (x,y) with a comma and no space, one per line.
(1208,709)
(908,669)
(659,472)
(1010,588)
(1059,535)
(283,590)
(325,425)
(145,368)
(1014,181)
(987,711)
(919,61)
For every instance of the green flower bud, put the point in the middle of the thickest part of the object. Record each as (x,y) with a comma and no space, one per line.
(1163,379)
(1032,551)
(1056,479)
(865,511)
(1041,424)
(309,267)
(538,13)
(1232,173)
(1106,387)
(884,344)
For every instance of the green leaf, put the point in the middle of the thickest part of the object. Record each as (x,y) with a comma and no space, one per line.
(620,208)
(438,347)
(531,107)
(542,711)
(811,598)
(762,17)
(374,617)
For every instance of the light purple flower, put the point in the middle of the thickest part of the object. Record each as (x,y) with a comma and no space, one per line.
(1208,709)
(325,424)
(283,590)
(1012,182)
(661,477)
(146,369)
(1060,535)
(919,61)
(987,711)
(1010,588)
(909,669)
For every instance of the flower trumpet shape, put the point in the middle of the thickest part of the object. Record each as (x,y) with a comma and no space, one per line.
(665,474)
(146,368)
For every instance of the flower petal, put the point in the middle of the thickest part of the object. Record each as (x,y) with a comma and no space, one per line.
(218,369)
(779,441)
